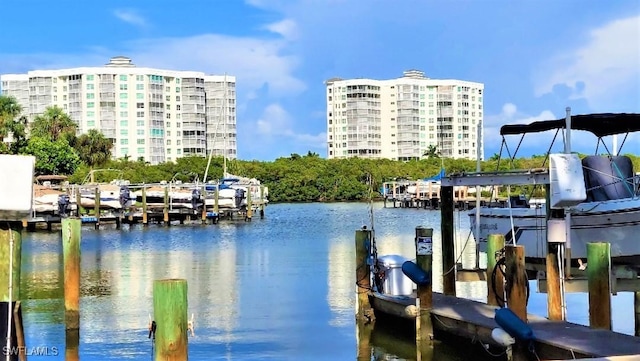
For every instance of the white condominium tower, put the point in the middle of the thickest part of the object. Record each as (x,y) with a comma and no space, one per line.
(403,118)
(159,115)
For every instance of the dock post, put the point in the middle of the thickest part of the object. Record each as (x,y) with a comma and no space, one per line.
(249,205)
(363,332)
(79,209)
(516,281)
(363,272)
(165,212)
(72,342)
(448,246)
(636,307)
(516,288)
(261,202)
(170,315)
(599,280)
(145,220)
(216,199)
(554,292)
(424,259)
(495,285)
(10,258)
(96,207)
(71,236)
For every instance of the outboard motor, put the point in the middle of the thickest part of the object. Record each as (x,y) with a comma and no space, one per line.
(63,205)
(125,196)
(195,198)
(239,197)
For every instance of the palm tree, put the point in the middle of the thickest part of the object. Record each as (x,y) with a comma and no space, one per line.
(10,109)
(94,148)
(54,124)
(432,152)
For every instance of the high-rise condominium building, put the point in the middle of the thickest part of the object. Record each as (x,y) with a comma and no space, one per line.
(404,118)
(156,114)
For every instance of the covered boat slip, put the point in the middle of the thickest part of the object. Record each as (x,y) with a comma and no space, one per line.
(475,320)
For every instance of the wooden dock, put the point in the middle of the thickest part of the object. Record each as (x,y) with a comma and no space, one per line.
(475,320)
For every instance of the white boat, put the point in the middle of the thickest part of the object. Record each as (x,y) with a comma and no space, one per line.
(49,196)
(233,192)
(180,196)
(113,196)
(609,212)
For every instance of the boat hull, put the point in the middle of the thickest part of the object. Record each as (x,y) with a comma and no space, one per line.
(616,222)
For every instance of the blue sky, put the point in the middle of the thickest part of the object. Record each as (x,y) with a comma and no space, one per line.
(534,57)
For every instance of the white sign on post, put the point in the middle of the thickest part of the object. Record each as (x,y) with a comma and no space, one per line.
(16,186)
(424,246)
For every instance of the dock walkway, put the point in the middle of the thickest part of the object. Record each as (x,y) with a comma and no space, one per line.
(475,320)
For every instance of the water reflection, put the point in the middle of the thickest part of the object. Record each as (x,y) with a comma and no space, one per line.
(282,288)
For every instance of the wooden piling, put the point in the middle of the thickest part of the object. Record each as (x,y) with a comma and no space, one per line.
(71,235)
(203,215)
(363,331)
(249,205)
(495,285)
(145,220)
(363,273)
(636,308)
(165,211)
(516,281)
(554,293)
(216,199)
(10,261)
(170,314)
(79,209)
(599,280)
(96,207)
(72,343)
(424,259)
(448,246)
(262,202)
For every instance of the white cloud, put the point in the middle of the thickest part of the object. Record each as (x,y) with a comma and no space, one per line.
(277,122)
(287,28)
(600,70)
(130,16)
(255,62)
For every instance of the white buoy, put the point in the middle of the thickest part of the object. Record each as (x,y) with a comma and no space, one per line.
(502,337)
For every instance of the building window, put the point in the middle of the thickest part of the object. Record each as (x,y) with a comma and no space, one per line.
(124,95)
(140,132)
(139,96)
(124,132)
(124,105)
(123,86)
(89,78)
(124,114)
(140,78)
(140,123)
(140,115)
(91,123)
(90,96)
(89,87)
(123,77)
(124,123)
(140,141)
(140,150)
(91,114)
(91,104)
(124,141)
(139,86)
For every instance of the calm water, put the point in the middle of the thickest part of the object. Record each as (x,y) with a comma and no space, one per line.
(281,288)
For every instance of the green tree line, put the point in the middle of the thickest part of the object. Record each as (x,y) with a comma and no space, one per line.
(297,178)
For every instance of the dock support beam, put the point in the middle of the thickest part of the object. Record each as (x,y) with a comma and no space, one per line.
(424,259)
(599,280)
(145,220)
(363,273)
(636,307)
(495,285)
(170,314)
(96,207)
(448,247)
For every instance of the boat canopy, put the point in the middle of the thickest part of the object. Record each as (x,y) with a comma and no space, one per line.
(600,125)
